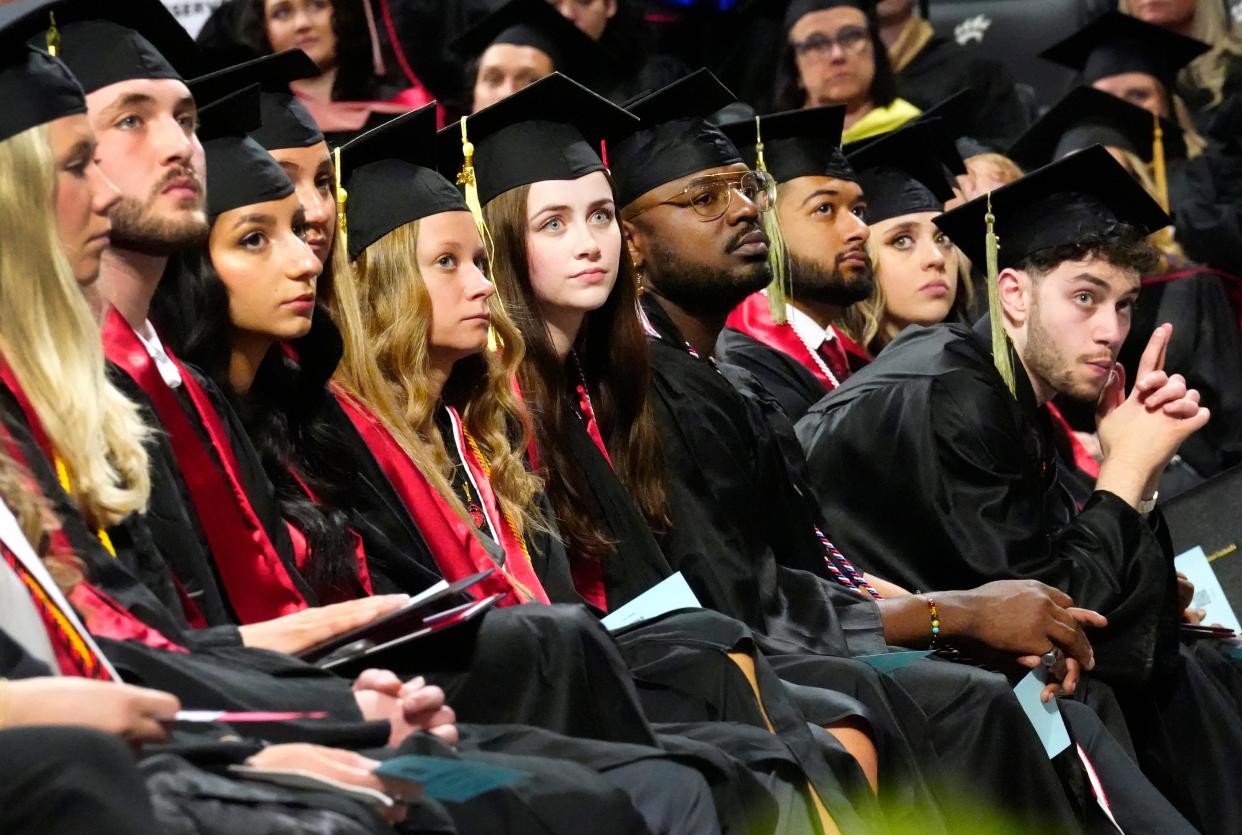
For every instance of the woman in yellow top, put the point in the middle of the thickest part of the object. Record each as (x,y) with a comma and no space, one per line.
(834,55)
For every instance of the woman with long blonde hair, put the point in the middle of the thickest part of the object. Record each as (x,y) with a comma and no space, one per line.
(918,274)
(53,362)
(416,370)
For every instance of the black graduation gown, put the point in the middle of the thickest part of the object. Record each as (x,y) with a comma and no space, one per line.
(742,534)
(979,496)
(1206,195)
(171,520)
(995,115)
(793,386)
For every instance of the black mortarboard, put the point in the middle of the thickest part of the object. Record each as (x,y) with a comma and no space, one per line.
(949,114)
(1116,43)
(106,41)
(551,130)
(390,176)
(1087,193)
(536,24)
(906,171)
(674,138)
(286,123)
(799,9)
(42,84)
(240,172)
(796,143)
(1086,117)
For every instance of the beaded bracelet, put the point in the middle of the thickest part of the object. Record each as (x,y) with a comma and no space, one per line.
(935,622)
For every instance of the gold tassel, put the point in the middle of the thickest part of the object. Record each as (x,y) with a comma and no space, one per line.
(342,196)
(1000,341)
(1159,170)
(53,35)
(470,186)
(780,290)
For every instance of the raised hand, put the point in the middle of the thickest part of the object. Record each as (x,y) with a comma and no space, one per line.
(1140,433)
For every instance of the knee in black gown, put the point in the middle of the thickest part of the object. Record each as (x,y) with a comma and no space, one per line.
(61,779)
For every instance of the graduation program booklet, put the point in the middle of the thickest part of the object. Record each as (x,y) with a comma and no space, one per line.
(671,593)
(445,643)
(412,617)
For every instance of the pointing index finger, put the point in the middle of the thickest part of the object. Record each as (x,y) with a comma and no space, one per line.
(1153,354)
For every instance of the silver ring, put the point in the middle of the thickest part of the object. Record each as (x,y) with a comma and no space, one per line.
(1051,658)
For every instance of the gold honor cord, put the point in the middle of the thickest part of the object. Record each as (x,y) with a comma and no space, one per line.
(780,290)
(470,187)
(62,474)
(342,196)
(1159,170)
(53,35)
(1000,342)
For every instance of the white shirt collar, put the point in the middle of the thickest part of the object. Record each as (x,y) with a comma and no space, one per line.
(808,329)
(168,370)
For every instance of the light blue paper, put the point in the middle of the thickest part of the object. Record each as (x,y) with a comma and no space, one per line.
(1045,718)
(453,781)
(1209,595)
(889,661)
(669,594)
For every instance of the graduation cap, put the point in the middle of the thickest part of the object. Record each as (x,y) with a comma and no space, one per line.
(906,171)
(796,143)
(1086,194)
(798,9)
(674,138)
(1117,43)
(106,41)
(389,174)
(240,172)
(532,23)
(949,114)
(286,123)
(1087,116)
(550,130)
(44,86)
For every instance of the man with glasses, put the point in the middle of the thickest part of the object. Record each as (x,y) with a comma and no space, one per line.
(834,55)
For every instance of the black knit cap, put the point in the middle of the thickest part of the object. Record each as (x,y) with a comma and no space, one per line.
(240,172)
(1087,193)
(286,123)
(674,138)
(44,86)
(796,143)
(551,130)
(799,9)
(906,171)
(107,41)
(391,179)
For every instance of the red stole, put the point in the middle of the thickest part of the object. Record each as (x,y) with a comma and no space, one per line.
(457,551)
(254,576)
(101,614)
(588,575)
(754,318)
(1082,458)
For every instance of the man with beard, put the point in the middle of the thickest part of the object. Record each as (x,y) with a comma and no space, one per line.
(796,353)
(747,535)
(937,464)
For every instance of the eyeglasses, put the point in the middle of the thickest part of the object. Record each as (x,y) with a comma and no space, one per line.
(710,195)
(852,40)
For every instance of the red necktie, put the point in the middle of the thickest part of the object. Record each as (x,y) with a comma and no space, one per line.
(833,354)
